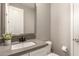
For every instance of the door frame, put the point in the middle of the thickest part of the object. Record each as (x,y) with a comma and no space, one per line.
(6,12)
(72,29)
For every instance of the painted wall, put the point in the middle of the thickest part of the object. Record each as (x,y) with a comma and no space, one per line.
(60,27)
(29,22)
(3,18)
(0,19)
(43,21)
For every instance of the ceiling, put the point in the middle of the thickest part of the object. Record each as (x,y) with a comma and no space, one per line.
(31,5)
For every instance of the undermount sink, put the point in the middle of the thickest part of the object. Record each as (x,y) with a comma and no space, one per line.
(22,45)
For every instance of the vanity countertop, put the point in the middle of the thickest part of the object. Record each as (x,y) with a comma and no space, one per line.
(6,50)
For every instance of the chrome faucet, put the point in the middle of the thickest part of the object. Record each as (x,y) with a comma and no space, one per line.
(22,39)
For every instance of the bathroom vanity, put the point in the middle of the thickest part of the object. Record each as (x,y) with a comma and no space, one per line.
(41,48)
(20,19)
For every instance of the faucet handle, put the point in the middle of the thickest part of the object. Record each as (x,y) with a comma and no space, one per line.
(22,39)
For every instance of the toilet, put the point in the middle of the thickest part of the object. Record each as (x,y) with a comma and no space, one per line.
(49,45)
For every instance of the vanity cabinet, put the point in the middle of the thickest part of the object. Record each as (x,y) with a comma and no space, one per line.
(27,54)
(40,52)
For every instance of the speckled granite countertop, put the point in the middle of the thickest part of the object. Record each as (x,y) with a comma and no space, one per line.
(6,50)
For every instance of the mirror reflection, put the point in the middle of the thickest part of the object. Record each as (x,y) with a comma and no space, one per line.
(20,18)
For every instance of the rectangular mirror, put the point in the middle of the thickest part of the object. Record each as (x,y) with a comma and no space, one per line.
(20,18)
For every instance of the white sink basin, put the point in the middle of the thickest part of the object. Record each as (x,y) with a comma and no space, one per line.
(28,44)
(22,45)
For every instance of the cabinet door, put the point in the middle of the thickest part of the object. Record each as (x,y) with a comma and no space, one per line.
(40,52)
(76,29)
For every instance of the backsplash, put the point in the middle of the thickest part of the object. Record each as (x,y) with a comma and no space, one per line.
(26,36)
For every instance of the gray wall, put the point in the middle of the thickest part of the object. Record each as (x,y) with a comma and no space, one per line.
(60,26)
(29,22)
(0,19)
(3,18)
(43,21)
